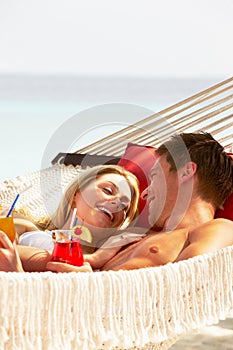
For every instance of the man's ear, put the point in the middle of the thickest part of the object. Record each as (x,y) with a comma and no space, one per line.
(187,171)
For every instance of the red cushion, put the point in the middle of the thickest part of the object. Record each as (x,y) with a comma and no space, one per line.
(139,160)
(227,211)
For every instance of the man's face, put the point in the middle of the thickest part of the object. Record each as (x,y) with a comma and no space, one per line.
(162,192)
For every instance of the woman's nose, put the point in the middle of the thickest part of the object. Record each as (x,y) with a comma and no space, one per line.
(118,204)
(115,202)
(144,194)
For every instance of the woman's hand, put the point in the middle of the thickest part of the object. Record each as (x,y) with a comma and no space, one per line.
(122,239)
(9,258)
(62,267)
(111,247)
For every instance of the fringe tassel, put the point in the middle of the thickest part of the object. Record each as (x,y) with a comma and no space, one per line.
(139,309)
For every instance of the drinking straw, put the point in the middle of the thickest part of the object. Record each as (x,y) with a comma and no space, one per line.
(75,221)
(73,218)
(72,225)
(13,205)
(15,201)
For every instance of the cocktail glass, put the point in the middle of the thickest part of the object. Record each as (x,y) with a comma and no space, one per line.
(67,248)
(7,226)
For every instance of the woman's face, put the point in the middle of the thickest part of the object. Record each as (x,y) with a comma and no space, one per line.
(104,202)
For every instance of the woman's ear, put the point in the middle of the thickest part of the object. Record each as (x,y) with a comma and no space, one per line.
(187,171)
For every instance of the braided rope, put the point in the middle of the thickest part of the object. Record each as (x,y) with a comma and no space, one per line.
(210,110)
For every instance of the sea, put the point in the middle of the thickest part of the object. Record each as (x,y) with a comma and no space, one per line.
(35,110)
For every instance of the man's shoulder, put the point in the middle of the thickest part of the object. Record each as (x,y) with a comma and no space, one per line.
(212,228)
(217,223)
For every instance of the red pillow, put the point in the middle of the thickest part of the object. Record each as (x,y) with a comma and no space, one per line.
(139,160)
(227,211)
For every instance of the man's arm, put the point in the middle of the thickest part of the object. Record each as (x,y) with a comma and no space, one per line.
(206,238)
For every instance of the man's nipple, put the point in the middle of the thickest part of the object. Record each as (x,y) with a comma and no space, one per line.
(154,249)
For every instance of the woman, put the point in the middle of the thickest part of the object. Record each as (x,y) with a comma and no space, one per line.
(106,199)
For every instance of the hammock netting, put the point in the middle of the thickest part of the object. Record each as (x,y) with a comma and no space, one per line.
(148,308)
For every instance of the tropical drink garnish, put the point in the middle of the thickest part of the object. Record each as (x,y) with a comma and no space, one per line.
(83,232)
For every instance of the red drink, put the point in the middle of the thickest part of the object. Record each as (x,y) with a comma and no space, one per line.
(68,251)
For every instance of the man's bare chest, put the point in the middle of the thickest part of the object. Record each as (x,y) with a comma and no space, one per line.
(153,250)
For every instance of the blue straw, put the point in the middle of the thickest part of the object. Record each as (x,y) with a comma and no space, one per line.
(76,221)
(16,198)
(13,205)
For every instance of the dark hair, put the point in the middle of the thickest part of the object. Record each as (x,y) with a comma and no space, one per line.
(214,166)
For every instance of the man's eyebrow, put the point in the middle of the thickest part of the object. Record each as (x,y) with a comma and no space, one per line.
(151,173)
(154,169)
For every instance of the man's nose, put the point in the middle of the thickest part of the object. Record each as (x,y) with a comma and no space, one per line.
(144,194)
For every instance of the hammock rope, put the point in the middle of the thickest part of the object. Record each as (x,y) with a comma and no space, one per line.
(193,113)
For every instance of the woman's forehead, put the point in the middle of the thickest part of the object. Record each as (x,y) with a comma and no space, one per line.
(115,178)
(118,180)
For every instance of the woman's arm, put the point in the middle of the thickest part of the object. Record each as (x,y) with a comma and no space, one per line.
(62,267)
(33,259)
(38,260)
(23,224)
(111,247)
(9,258)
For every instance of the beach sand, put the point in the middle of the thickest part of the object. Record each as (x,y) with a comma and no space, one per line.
(217,337)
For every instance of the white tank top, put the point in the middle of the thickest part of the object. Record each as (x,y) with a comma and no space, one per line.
(39,239)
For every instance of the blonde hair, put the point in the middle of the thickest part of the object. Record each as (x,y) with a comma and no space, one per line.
(83,179)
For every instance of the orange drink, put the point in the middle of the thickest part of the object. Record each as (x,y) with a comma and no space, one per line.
(7,226)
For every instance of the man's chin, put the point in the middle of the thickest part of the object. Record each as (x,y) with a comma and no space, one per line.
(153,223)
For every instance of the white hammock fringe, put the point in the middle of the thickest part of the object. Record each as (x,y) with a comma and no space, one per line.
(140,309)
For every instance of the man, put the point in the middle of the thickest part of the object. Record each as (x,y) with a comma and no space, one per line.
(190,180)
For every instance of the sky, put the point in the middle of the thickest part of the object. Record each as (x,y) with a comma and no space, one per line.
(125,37)
(104,38)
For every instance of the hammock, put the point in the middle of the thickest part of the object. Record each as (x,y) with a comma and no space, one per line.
(149,308)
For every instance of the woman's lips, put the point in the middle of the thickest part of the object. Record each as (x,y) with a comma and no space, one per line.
(107,212)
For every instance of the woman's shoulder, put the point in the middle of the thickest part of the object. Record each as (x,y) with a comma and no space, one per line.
(39,239)
(23,224)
